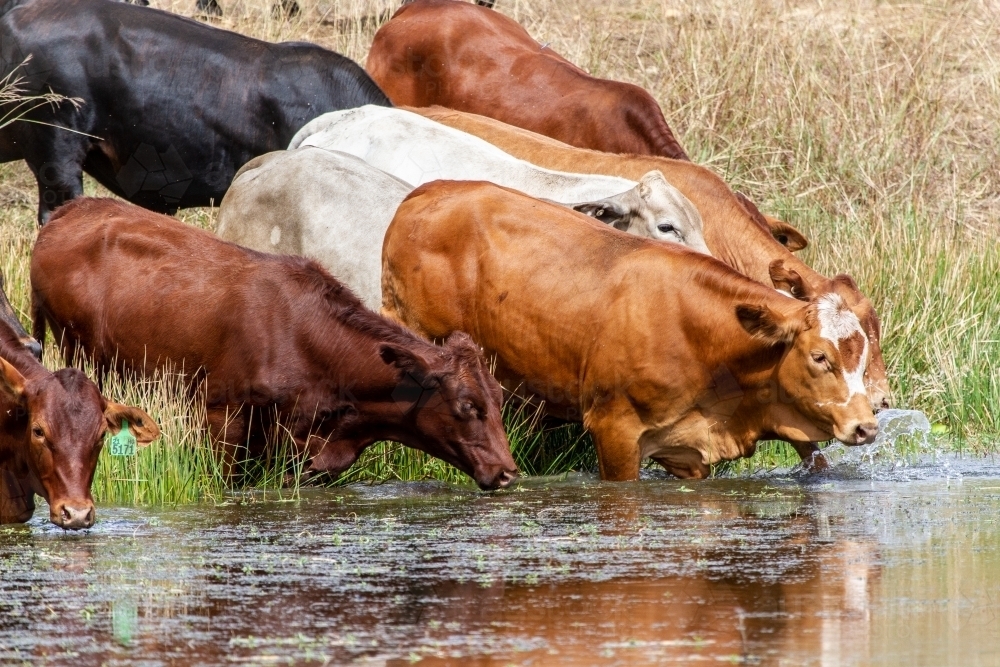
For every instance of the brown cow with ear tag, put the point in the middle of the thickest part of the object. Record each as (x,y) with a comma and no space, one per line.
(51,430)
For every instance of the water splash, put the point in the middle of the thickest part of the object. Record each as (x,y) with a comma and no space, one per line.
(903,450)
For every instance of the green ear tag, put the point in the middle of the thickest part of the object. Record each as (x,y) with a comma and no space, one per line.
(123,443)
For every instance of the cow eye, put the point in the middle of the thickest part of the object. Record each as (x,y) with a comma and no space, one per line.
(821,360)
(37,432)
(468,407)
(666,228)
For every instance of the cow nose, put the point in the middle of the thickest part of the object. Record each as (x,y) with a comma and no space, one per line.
(76,518)
(865,434)
(504,479)
(33,346)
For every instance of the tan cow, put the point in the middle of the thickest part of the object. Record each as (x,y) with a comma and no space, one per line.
(592,322)
(730,230)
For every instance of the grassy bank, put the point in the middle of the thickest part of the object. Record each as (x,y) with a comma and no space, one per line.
(871,126)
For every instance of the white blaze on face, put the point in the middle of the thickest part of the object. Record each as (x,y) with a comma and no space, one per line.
(839,325)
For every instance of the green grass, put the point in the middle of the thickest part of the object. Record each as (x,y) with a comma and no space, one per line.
(871,126)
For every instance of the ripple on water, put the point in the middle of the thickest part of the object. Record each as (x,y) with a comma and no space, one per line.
(566,569)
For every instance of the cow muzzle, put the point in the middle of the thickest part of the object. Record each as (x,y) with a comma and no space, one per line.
(499,480)
(859,433)
(73,515)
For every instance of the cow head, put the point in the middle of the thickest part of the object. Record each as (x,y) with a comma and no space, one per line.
(66,418)
(821,388)
(653,209)
(790,282)
(455,402)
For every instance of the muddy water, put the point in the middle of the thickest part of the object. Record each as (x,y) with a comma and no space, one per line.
(776,570)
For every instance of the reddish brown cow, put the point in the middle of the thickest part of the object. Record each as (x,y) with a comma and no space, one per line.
(659,351)
(731,233)
(461,56)
(51,429)
(279,342)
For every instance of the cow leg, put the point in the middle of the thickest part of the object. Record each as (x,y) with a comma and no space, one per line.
(209,8)
(616,439)
(811,456)
(60,179)
(17,505)
(331,457)
(228,430)
(285,9)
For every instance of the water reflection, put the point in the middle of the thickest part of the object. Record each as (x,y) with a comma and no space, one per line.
(579,572)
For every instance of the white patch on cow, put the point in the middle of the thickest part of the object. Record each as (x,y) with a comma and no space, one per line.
(275,235)
(836,323)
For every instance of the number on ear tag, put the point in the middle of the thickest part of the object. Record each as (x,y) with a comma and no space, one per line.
(123,443)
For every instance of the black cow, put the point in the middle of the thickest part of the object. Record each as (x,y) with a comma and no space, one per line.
(169,108)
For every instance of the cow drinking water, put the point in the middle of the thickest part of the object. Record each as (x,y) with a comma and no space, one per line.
(659,351)
(51,429)
(279,343)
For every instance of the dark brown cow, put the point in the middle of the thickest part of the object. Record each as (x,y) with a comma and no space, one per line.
(660,352)
(51,429)
(279,342)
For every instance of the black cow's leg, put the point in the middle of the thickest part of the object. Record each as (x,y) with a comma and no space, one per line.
(59,180)
(209,8)
(285,9)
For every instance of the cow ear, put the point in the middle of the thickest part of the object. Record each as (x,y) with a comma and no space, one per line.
(789,280)
(786,235)
(404,359)
(11,381)
(650,180)
(143,427)
(846,281)
(765,324)
(607,211)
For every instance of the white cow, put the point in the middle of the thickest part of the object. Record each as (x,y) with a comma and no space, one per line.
(419,150)
(327,205)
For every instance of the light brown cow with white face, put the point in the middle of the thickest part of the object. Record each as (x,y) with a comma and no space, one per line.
(732,232)
(591,321)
